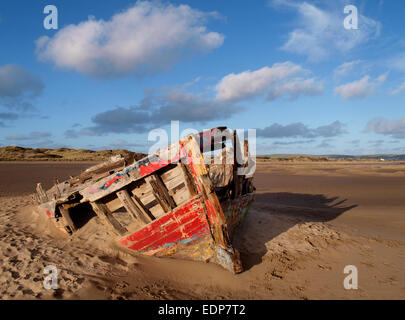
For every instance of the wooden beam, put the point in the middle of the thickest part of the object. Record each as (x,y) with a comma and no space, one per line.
(41,193)
(236,177)
(35,199)
(145,211)
(188,177)
(132,208)
(246,150)
(68,219)
(106,217)
(57,194)
(160,192)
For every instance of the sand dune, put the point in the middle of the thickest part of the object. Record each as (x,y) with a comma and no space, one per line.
(307,223)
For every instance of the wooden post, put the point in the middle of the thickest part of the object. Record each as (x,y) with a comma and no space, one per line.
(65,214)
(160,192)
(41,193)
(246,151)
(106,216)
(131,207)
(192,188)
(145,211)
(236,180)
(56,184)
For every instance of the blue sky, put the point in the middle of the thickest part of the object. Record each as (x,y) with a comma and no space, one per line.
(114,70)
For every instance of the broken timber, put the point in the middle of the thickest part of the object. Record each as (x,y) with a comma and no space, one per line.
(183,201)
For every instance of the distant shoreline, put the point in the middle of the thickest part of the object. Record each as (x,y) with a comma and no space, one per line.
(30,155)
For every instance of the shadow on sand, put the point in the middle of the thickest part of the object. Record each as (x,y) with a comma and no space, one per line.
(292,209)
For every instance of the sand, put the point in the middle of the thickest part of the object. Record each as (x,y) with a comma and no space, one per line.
(308,221)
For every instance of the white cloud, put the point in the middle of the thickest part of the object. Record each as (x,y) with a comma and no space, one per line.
(362,88)
(275,81)
(321,33)
(147,37)
(394,128)
(296,87)
(346,68)
(400,89)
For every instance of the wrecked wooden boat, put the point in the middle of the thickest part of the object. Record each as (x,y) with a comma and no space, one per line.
(184,201)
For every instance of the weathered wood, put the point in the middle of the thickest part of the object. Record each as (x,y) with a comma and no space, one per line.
(41,193)
(35,199)
(214,139)
(173,177)
(236,178)
(124,177)
(144,198)
(220,172)
(106,216)
(113,204)
(56,185)
(175,181)
(145,212)
(180,194)
(68,219)
(157,210)
(246,150)
(188,177)
(131,207)
(160,192)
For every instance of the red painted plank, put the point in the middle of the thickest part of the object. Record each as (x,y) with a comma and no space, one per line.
(161,234)
(155,225)
(185,224)
(189,232)
(211,213)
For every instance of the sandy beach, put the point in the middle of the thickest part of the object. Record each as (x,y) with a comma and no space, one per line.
(308,221)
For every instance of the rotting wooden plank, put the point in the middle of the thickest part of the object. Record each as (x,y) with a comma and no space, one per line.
(160,192)
(106,216)
(209,139)
(213,208)
(113,204)
(35,199)
(138,170)
(180,194)
(236,178)
(41,193)
(157,211)
(66,215)
(215,215)
(146,200)
(145,212)
(56,184)
(188,177)
(131,207)
(173,177)
(184,223)
(246,150)
(144,192)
